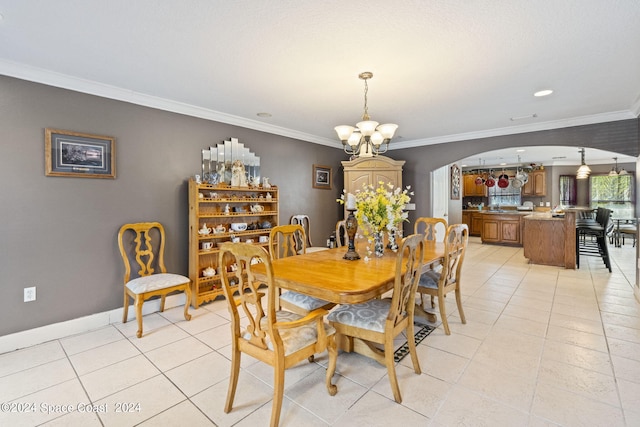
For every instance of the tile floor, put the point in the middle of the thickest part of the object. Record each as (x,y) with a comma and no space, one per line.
(542,346)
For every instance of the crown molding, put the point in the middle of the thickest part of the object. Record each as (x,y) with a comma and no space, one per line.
(50,78)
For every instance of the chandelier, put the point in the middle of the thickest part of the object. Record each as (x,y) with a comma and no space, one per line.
(615,172)
(368,138)
(584,170)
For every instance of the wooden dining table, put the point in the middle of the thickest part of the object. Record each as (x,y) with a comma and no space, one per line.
(328,276)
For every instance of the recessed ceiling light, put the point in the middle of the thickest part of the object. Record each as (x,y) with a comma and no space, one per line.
(543,92)
(264,114)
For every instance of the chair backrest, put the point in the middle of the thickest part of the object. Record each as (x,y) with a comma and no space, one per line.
(142,249)
(456,241)
(303,220)
(431,228)
(408,269)
(246,256)
(287,240)
(341,234)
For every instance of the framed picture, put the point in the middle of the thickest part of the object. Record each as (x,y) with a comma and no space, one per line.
(455,182)
(322,177)
(79,155)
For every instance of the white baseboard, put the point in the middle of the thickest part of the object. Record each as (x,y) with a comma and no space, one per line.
(80,325)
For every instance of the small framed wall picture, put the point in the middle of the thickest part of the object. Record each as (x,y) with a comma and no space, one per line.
(455,182)
(79,155)
(322,177)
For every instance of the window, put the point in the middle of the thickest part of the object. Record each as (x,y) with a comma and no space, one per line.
(613,192)
(568,190)
(508,196)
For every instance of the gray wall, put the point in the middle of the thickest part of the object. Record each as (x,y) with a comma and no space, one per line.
(59,233)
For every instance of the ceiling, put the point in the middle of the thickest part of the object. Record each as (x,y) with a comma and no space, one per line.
(444,70)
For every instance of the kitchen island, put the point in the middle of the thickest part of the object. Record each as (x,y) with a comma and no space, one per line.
(550,240)
(501,227)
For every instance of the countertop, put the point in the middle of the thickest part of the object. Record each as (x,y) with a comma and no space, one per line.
(543,216)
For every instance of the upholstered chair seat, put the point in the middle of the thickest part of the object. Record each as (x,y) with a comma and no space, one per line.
(371,315)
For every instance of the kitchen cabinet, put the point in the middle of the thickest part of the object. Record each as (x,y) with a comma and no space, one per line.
(502,228)
(537,184)
(466,219)
(212,210)
(471,189)
(475,228)
(371,170)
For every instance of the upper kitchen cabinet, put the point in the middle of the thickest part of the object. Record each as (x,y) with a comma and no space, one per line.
(371,170)
(537,184)
(471,189)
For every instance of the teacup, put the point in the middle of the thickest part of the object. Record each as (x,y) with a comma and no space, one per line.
(219,229)
(263,239)
(207,246)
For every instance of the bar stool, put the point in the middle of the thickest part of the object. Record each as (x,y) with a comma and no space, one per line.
(587,231)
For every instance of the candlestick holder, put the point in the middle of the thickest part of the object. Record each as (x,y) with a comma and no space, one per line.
(351,224)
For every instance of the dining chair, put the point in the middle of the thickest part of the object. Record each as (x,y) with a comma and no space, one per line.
(381,320)
(304,221)
(282,243)
(142,250)
(439,284)
(433,229)
(279,338)
(341,234)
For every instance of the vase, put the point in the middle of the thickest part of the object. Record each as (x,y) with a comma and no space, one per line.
(378,242)
(393,243)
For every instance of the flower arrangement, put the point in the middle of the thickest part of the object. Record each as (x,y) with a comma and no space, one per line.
(380,208)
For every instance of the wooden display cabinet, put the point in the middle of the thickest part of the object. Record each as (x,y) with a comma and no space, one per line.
(208,205)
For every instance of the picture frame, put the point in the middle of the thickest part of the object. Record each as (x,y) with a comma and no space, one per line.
(322,177)
(455,182)
(79,155)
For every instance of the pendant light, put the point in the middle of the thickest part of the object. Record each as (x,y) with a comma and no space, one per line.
(584,170)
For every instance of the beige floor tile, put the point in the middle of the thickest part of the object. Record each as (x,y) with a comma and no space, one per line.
(571,409)
(585,382)
(624,349)
(581,312)
(629,395)
(576,323)
(291,414)
(84,419)
(30,357)
(530,312)
(201,319)
(493,381)
(251,394)
(184,413)
(47,405)
(374,410)
(420,392)
(360,369)
(626,369)
(105,355)
(458,344)
(150,323)
(621,320)
(623,333)
(158,337)
(620,309)
(472,409)
(526,326)
(177,353)
(582,339)
(117,377)
(139,402)
(217,337)
(201,373)
(578,356)
(89,340)
(29,381)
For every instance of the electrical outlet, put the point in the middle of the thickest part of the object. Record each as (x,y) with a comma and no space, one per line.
(30,294)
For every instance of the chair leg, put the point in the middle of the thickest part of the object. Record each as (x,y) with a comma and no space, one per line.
(125,310)
(391,369)
(412,347)
(233,378)
(459,303)
(138,304)
(278,393)
(443,314)
(187,293)
(332,349)
(162,298)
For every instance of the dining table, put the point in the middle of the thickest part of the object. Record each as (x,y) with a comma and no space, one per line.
(328,276)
